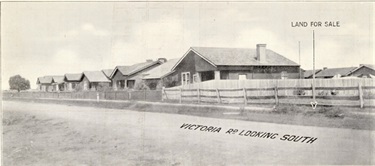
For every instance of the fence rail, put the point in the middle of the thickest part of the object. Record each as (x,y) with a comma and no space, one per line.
(356,92)
(144,95)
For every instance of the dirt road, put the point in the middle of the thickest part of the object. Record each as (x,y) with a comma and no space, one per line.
(50,134)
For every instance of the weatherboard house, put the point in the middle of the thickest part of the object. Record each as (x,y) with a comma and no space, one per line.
(334,72)
(72,80)
(157,77)
(58,83)
(363,71)
(45,83)
(209,63)
(126,77)
(94,80)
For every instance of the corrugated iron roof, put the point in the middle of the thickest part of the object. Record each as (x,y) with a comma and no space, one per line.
(73,76)
(330,72)
(45,80)
(96,76)
(241,57)
(162,70)
(129,70)
(58,79)
(309,73)
(107,72)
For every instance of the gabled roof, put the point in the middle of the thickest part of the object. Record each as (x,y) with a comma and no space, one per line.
(107,72)
(162,70)
(58,79)
(133,69)
(73,76)
(334,71)
(96,76)
(238,57)
(309,73)
(370,66)
(44,80)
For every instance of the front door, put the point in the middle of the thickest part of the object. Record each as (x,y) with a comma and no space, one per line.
(185,78)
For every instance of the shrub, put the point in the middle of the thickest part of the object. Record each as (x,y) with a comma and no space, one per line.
(332,112)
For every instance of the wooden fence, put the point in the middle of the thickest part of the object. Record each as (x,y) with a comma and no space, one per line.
(343,92)
(145,95)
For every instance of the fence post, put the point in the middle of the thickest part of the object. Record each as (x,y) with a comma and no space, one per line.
(199,95)
(130,95)
(97,96)
(245,96)
(162,93)
(218,95)
(144,94)
(180,95)
(114,96)
(276,96)
(360,93)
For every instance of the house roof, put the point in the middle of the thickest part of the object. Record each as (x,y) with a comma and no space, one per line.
(238,57)
(96,76)
(309,73)
(162,70)
(370,66)
(58,79)
(129,70)
(44,80)
(107,72)
(334,71)
(73,76)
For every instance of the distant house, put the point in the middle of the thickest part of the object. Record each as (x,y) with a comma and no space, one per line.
(363,71)
(208,63)
(72,81)
(309,73)
(45,83)
(94,80)
(107,72)
(58,83)
(157,78)
(334,72)
(125,77)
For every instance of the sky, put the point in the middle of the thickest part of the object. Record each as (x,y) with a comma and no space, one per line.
(55,38)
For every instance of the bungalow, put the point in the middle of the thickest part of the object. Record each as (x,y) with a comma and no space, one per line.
(72,80)
(157,78)
(45,83)
(363,71)
(208,63)
(309,73)
(124,77)
(58,83)
(94,80)
(107,73)
(334,72)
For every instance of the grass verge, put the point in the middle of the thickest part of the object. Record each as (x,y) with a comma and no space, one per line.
(333,117)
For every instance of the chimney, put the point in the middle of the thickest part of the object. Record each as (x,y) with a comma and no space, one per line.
(162,60)
(261,53)
(148,60)
(325,68)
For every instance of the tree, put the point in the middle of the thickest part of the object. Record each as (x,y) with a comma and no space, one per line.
(18,83)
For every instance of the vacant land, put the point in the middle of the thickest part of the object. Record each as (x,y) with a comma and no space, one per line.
(51,134)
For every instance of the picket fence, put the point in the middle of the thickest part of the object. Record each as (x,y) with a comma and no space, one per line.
(343,92)
(145,95)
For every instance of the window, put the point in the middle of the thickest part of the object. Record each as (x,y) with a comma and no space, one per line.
(121,84)
(284,75)
(185,77)
(130,84)
(242,76)
(73,85)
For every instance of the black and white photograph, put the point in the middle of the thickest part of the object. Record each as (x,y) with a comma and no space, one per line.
(187,83)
